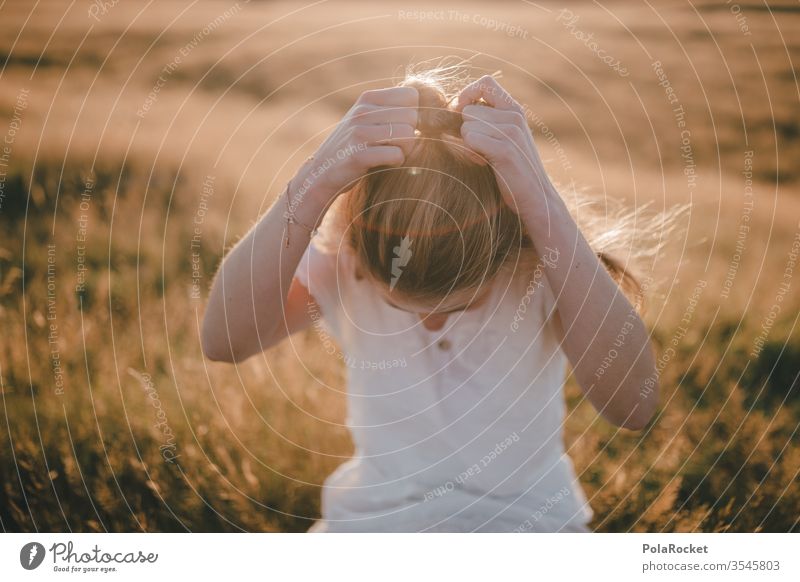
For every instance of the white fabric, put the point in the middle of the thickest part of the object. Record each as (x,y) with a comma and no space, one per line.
(461,438)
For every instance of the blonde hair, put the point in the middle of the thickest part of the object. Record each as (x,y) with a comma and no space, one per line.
(441,216)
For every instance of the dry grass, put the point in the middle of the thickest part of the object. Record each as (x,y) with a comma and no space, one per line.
(250,102)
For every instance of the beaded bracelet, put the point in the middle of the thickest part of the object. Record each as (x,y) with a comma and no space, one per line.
(292,219)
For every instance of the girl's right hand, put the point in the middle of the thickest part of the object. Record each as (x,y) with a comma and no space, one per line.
(377,131)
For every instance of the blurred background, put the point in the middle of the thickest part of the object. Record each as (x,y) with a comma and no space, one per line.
(140,140)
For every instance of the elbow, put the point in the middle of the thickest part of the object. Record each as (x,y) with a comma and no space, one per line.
(214,351)
(637,421)
(219,344)
(645,407)
(216,346)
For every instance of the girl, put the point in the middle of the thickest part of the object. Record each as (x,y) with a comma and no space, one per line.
(457,284)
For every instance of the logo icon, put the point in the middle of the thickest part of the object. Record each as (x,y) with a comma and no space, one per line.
(31,555)
(402,254)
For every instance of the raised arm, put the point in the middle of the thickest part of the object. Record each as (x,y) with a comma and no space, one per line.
(590,307)
(254,302)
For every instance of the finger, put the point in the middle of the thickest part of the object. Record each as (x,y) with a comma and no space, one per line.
(488,89)
(397,134)
(489,146)
(394,96)
(479,127)
(375,134)
(503,131)
(379,115)
(481,142)
(383,155)
(492,149)
(492,115)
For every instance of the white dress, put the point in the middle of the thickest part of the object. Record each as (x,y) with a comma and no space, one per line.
(455,430)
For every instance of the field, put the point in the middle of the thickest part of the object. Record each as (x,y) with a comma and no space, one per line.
(141,140)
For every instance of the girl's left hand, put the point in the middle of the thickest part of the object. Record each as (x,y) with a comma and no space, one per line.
(499,132)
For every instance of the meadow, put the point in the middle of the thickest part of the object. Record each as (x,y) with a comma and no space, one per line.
(142,140)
